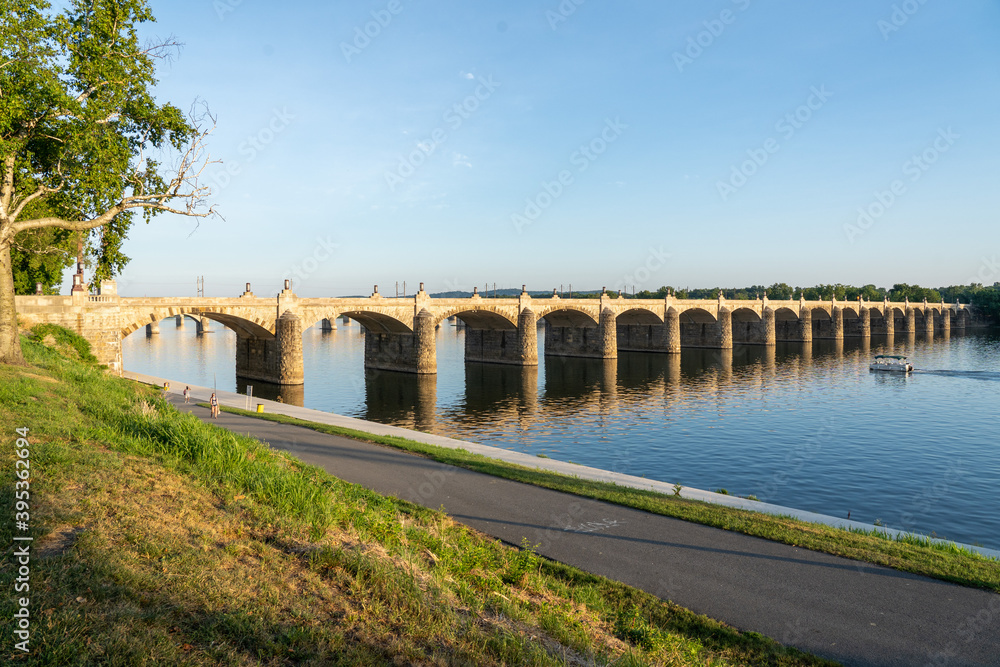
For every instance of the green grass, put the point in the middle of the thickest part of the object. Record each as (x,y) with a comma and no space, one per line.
(167,540)
(65,338)
(919,555)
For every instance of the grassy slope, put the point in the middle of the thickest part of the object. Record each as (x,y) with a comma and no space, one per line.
(163,539)
(910,554)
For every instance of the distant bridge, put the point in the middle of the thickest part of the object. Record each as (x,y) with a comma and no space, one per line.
(400,332)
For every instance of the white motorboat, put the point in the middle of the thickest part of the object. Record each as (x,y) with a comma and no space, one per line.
(891,362)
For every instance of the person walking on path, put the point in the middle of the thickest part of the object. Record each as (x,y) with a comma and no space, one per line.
(187,394)
(214,402)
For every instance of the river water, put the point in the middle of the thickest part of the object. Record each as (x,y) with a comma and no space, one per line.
(802,425)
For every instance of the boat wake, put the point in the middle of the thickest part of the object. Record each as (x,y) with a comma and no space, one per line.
(989,376)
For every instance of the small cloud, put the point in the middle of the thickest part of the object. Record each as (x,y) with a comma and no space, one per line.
(460,160)
(467,75)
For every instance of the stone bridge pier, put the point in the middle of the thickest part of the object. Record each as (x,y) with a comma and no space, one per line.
(493,339)
(261,355)
(400,333)
(578,334)
(699,329)
(495,334)
(277,360)
(410,352)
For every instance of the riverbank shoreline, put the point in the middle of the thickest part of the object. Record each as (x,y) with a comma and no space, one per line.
(240,401)
(160,535)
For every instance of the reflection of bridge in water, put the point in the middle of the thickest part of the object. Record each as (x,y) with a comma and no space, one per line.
(499,397)
(400,333)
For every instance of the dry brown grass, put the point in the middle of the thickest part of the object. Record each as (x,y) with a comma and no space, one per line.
(153,559)
(187,558)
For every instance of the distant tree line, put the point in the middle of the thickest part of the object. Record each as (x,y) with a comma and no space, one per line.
(987,298)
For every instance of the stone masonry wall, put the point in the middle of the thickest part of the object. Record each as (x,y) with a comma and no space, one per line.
(700,334)
(573,341)
(787,330)
(749,332)
(496,346)
(641,338)
(95,317)
(390,352)
(257,359)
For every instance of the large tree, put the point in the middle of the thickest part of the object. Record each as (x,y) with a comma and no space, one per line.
(41,256)
(84,145)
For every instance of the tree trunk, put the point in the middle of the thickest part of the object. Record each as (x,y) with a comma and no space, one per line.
(10,341)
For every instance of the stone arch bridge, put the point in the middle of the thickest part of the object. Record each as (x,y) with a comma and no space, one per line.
(400,333)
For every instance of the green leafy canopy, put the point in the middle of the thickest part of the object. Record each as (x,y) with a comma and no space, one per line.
(81,135)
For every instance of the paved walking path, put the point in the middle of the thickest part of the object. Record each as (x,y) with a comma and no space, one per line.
(853,612)
(232,399)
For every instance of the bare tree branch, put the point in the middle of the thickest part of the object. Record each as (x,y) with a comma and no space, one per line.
(40,192)
(39,251)
(182,188)
(104,218)
(158,49)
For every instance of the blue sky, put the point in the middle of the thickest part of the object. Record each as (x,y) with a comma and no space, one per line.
(692,144)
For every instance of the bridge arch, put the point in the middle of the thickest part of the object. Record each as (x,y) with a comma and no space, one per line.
(638,329)
(571,332)
(697,316)
(783,314)
(745,315)
(820,314)
(478,317)
(639,315)
(852,321)
(699,328)
(567,317)
(374,322)
(822,322)
(787,324)
(247,327)
(748,326)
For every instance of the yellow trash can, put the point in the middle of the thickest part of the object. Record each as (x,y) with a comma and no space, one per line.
(260,407)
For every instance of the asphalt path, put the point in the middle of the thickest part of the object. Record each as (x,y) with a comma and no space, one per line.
(845,610)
